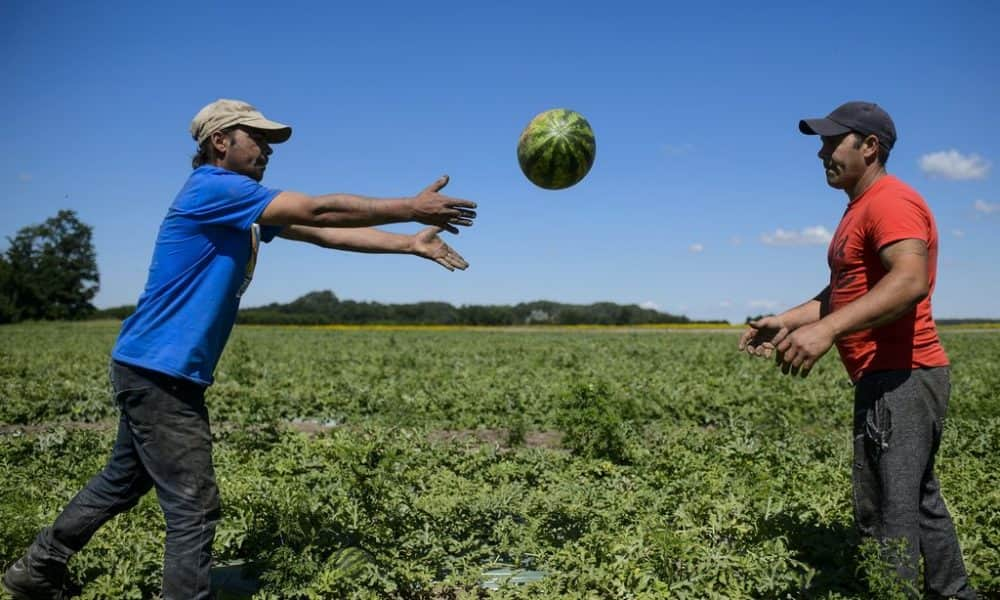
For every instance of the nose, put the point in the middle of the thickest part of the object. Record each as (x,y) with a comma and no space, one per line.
(266,148)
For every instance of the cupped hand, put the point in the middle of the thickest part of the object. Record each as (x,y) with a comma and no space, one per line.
(799,352)
(428,244)
(762,336)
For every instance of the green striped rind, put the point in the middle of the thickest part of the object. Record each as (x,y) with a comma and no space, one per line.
(556,149)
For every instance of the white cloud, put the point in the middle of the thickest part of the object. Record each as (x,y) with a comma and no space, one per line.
(810,236)
(725,304)
(987,207)
(696,248)
(766,304)
(650,305)
(736,240)
(952,164)
(958,233)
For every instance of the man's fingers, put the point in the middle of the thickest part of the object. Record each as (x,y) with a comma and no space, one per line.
(457,261)
(438,184)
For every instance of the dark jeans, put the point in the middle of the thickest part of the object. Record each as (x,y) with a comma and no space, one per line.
(898,419)
(164,442)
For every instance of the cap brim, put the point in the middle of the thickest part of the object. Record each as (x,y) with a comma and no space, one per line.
(821,127)
(274,132)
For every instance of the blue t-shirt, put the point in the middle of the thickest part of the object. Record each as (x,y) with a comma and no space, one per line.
(203,262)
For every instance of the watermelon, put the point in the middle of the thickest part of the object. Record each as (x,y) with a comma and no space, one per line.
(556,149)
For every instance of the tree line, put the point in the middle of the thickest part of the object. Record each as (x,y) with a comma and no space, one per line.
(323,307)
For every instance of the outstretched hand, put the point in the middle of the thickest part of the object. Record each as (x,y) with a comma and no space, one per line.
(762,336)
(428,244)
(432,208)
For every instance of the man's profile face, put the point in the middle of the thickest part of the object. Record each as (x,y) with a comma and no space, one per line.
(843,159)
(246,152)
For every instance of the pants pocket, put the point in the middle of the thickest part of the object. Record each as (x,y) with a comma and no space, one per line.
(878,427)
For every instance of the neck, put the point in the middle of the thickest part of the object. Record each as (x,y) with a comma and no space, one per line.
(871,175)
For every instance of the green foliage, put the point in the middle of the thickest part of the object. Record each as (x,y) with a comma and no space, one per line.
(49,271)
(595,424)
(684,470)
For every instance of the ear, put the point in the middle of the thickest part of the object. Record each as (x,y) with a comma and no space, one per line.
(869,149)
(220,143)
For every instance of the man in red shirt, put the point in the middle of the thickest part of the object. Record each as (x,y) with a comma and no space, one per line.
(877,310)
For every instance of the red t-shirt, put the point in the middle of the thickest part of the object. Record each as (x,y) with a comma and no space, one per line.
(886,212)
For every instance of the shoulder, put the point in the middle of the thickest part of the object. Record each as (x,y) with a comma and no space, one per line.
(891,186)
(891,194)
(212,178)
(209,184)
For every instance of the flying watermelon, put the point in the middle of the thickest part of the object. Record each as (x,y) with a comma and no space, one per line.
(556,149)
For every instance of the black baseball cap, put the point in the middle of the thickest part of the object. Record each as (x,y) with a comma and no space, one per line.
(866,118)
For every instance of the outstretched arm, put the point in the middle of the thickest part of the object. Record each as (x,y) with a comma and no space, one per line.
(426,243)
(762,335)
(904,285)
(349,210)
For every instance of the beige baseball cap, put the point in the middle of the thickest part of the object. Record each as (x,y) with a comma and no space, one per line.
(225,113)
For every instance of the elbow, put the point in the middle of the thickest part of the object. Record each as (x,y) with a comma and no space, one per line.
(917,290)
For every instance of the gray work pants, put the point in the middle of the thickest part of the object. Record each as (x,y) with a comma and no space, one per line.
(898,420)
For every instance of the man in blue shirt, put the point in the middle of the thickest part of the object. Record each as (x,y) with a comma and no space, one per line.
(167,350)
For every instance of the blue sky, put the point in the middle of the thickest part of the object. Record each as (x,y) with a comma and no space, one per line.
(704,199)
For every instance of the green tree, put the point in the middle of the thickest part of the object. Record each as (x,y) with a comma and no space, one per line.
(49,271)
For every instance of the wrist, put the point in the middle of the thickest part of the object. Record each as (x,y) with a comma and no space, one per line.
(411,213)
(831,326)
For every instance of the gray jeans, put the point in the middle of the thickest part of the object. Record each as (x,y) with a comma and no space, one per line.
(898,420)
(164,443)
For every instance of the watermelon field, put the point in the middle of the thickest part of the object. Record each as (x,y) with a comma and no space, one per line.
(541,463)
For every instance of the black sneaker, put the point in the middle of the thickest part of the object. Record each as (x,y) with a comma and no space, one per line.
(24,581)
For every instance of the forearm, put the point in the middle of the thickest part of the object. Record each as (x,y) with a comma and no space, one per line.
(809,311)
(358,239)
(336,210)
(340,210)
(892,297)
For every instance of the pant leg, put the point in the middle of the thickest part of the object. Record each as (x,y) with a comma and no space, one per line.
(117,488)
(898,420)
(944,569)
(176,450)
